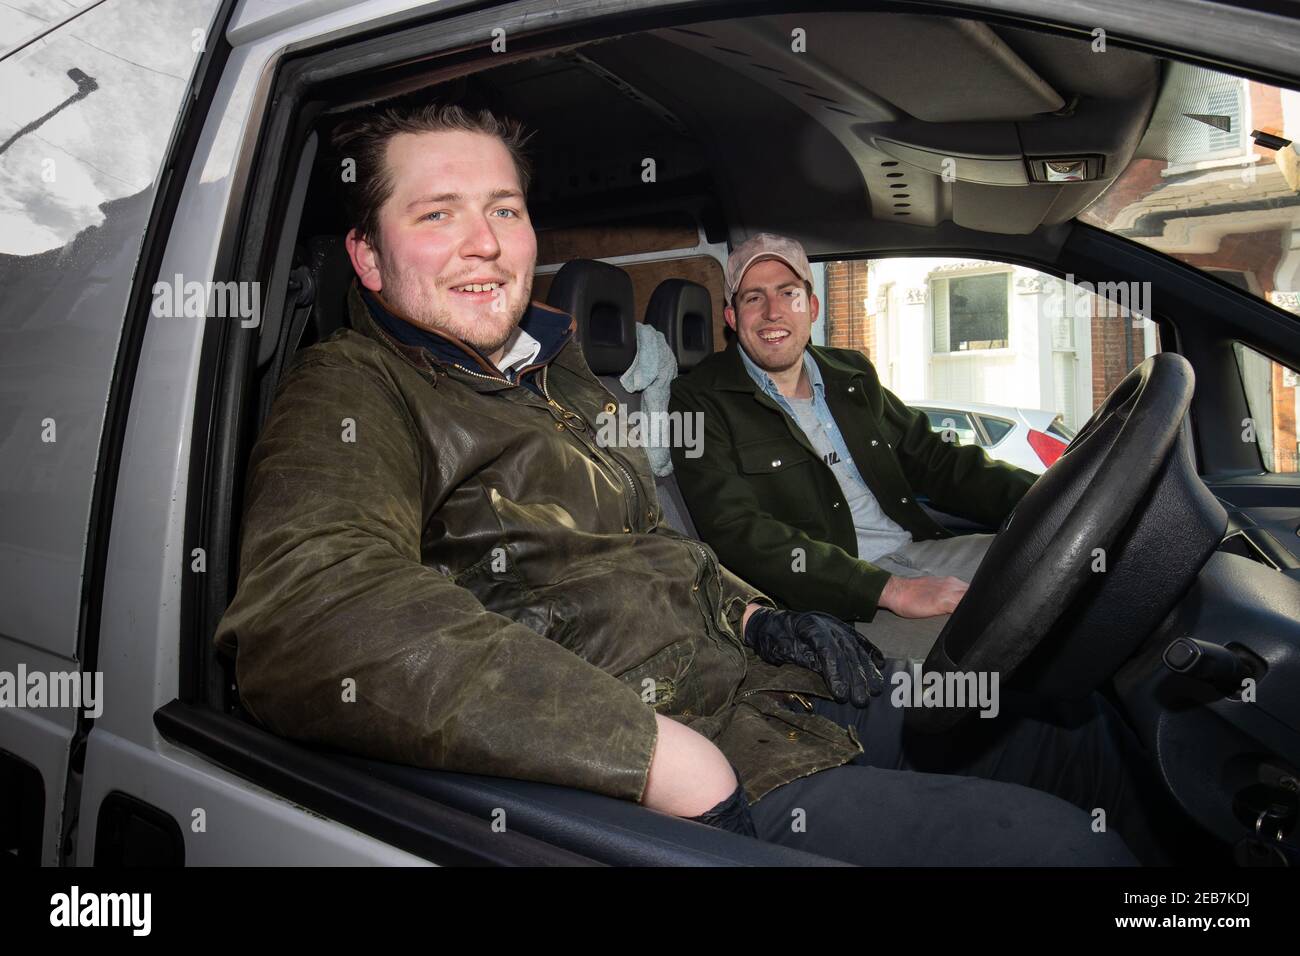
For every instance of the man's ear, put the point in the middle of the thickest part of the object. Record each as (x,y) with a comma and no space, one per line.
(729,314)
(365,260)
(814,307)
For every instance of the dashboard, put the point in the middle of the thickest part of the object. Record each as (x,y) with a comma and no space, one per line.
(1214,694)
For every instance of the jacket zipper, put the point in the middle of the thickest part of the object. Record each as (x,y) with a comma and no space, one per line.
(568,416)
(636,495)
(490,378)
(564,412)
(627,481)
(710,562)
(807,705)
(698,588)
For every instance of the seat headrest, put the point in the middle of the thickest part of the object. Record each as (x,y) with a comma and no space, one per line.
(683,312)
(599,297)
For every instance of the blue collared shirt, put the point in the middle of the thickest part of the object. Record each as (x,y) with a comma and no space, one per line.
(877,533)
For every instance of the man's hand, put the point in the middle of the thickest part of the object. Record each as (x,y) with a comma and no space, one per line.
(822,643)
(922,597)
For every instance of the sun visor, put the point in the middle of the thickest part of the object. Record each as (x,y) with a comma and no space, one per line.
(988,170)
(991,209)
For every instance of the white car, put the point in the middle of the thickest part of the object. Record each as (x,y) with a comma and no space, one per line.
(1029,438)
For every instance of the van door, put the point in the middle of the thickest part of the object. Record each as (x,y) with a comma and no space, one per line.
(91,103)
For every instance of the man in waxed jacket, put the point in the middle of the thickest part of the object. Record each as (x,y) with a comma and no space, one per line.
(808,481)
(441,566)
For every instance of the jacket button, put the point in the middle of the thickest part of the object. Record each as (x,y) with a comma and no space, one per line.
(559,426)
(627,530)
(777,463)
(792,735)
(904,500)
(610,408)
(852,389)
(874,443)
(836,505)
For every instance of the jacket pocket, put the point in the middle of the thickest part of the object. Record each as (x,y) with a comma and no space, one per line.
(771,456)
(781,472)
(662,680)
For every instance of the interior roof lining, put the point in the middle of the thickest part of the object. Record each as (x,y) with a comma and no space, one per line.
(864,160)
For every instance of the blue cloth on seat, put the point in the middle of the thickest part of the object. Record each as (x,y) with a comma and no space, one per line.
(651,374)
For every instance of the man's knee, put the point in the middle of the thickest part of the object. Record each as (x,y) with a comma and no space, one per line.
(906,638)
(899,818)
(1053,832)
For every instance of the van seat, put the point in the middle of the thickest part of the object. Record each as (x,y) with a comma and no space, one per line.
(599,297)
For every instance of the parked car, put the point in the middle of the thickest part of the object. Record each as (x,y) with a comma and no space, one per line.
(1029,438)
(163,156)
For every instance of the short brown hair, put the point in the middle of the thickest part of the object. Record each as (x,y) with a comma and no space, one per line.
(364,139)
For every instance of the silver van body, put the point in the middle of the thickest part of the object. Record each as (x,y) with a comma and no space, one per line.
(100,392)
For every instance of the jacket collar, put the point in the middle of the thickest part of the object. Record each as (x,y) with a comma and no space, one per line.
(767,384)
(552,328)
(733,377)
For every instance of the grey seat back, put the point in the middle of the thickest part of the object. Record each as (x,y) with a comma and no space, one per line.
(600,299)
(683,312)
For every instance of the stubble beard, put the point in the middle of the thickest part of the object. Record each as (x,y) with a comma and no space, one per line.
(767,366)
(405,293)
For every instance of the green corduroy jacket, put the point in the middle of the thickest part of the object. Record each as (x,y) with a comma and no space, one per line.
(764,500)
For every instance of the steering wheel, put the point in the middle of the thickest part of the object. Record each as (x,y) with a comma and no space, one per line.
(1045,555)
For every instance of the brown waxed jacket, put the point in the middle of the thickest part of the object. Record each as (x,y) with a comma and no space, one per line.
(440,568)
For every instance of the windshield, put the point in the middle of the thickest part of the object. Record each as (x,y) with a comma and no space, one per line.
(1201,189)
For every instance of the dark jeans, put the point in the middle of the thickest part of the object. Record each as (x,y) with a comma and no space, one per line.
(1020,789)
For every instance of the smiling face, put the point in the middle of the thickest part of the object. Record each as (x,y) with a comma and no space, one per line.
(773,315)
(456,248)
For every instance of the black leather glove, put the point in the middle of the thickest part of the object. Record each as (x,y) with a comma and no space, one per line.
(731,814)
(850,663)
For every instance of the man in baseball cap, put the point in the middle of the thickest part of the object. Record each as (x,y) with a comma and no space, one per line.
(810,471)
(766,245)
